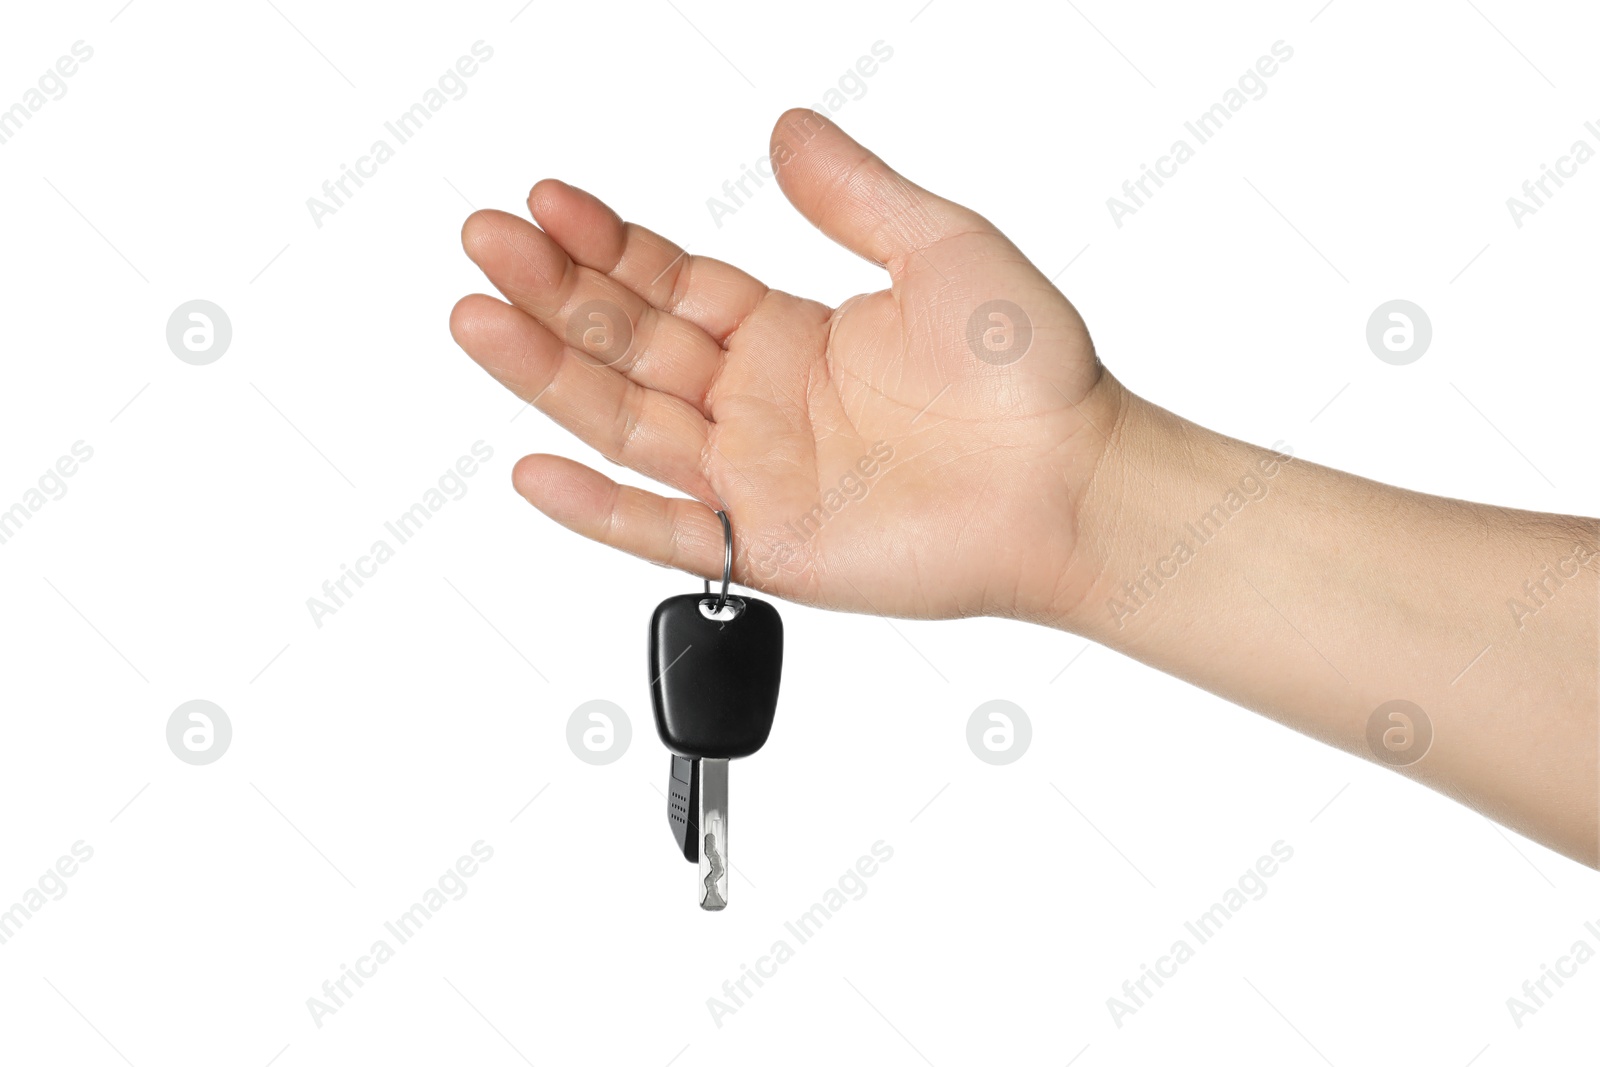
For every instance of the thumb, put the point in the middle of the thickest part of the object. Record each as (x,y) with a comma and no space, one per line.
(856,198)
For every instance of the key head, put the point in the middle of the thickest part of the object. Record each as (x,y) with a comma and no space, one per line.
(714,683)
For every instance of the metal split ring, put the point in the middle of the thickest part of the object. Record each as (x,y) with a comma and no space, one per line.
(727,563)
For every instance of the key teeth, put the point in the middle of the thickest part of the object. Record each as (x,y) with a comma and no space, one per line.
(711,900)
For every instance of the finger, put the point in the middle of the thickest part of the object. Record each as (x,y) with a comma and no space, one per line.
(855,198)
(590,311)
(685,534)
(713,295)
(657,435)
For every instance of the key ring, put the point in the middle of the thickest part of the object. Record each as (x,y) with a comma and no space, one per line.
(727,563)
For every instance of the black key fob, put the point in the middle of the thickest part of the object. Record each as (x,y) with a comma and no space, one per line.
(714,682)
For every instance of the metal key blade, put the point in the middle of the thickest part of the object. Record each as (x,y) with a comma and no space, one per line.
(713,830)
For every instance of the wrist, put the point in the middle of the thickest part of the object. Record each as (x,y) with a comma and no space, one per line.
(1176,514)
(1120,485)
(1064,550)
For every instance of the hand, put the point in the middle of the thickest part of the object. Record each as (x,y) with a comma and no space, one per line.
(871,457)
(922,451)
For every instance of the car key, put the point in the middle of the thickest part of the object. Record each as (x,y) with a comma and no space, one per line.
(714,692)
(715,665)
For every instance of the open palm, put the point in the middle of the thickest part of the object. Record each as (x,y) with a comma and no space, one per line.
(919,451)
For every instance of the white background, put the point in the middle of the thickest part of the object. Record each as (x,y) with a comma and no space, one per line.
(368,754)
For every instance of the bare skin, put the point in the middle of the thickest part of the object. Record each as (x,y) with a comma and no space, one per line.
(917,453)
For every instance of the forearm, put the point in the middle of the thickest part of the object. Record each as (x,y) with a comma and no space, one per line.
(1315,597)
